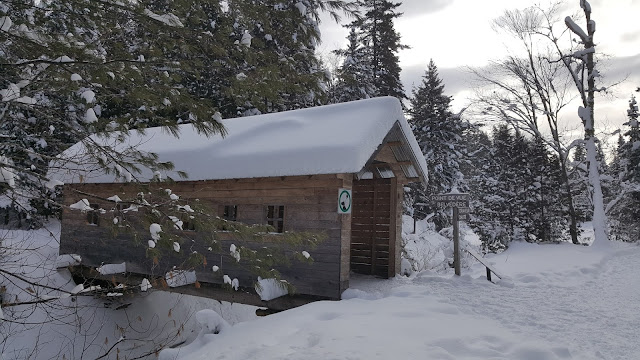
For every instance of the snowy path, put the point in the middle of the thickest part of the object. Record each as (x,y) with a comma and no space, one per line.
(561,302)
(592,309)
(598,315)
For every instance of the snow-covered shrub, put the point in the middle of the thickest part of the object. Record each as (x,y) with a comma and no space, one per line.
(427,249)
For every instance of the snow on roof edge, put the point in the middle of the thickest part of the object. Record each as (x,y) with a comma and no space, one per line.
(337,138)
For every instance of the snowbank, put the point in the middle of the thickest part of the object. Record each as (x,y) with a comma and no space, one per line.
(426,249)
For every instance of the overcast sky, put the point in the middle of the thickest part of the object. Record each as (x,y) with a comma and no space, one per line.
(458,34)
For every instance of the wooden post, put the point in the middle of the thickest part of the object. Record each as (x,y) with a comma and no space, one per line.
(456,241)
(488,274)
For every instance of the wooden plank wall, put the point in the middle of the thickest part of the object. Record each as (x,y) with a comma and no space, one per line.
(310,204)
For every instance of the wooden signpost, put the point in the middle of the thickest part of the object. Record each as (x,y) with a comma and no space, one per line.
(460,205)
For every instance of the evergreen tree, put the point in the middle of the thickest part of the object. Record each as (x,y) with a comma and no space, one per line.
(269,63)
(355,76)
(73,68)
(490,200)
(543,203)
(626,206)
(439,134)
(381,44)
(514,191)
(480,169)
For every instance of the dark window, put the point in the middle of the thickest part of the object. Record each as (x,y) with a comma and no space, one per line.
(275,217)
(119,213)
(188,224)
(230,212)
(93,217)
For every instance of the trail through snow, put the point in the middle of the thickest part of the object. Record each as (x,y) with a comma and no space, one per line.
(590,304)
(560,302)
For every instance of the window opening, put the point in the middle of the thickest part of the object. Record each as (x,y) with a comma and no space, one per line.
(119,211)
(93,217)
(188,222)
(275,217)
(230,212)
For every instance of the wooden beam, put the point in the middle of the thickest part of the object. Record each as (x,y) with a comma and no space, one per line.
(246,296)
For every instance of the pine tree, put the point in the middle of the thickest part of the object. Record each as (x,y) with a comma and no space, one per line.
(514,190)
(355,76)
(276,66)
(626,206)
(439,134)
(543,202)
(73,68)
(631,148)
(381,42)
(490,205)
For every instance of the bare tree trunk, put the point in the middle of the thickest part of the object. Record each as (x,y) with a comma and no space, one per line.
(586,113)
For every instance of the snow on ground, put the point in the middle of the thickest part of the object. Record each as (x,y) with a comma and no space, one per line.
(558,302)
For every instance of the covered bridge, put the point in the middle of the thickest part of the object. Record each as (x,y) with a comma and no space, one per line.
(287,169)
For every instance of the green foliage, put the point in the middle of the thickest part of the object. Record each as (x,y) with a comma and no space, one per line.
(514,191)
(372,54)
(625,207)
(439,135)
(355,76)
(74,68)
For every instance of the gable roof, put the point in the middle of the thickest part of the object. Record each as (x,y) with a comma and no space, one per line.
(330,139)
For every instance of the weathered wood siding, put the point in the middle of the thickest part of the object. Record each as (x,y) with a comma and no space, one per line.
(371,223)
(310,204)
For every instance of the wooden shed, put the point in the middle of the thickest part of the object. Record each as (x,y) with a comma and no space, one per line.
(288,169)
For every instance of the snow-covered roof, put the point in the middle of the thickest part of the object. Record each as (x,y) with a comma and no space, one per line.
(330,139)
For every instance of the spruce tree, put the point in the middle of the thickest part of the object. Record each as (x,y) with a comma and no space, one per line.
(439,134)
(490,210)
(514,190)
(355,76)
(480,168)
(276,66)
(626,206)
(543,202)
(381,41)
(73,68)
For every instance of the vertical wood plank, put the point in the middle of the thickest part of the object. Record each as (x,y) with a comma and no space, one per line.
(392,227)
(398,216)
(345,236)
(372,238)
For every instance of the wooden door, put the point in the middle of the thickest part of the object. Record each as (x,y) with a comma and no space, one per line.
(370,227)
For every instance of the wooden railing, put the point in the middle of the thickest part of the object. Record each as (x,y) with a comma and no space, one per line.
(480,259)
